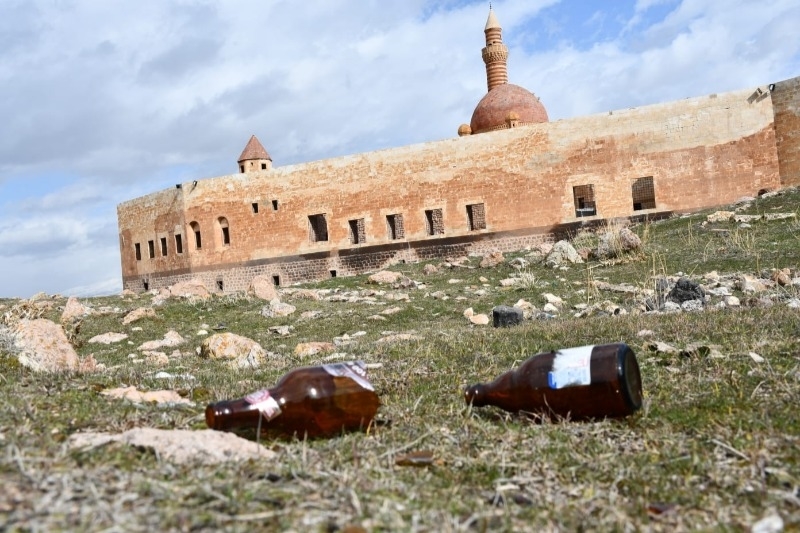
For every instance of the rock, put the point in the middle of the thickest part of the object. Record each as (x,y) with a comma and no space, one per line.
(307,349)
(107,338)
(157,359)
(396,337)
(772,523)
(755,357)
(74,310)
(479,319)
(750,284)
(519,263)
(429,269)
(778,216)
(281,330)
(263,287)
(384,276)
(138,314)
(439,295)
(43,346)
(562,252)
(685,290)
(492,259)
(180,446)
(732,301)
(550,309)
(468,312)
(171,338)
(377,318)
(692,305)
(793,303)
(628,240)
(391,310)
(306,294)
(310,315)
(276,308)
(553,299)
(509,282)
(504,316)
(662,348)
(454,281)
(240,352)
(782,277)
(720,216)
(528,309)
(192,290)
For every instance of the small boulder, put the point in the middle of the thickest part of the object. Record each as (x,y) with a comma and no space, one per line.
(504,316)
(685,290)
(43,347)
(138,314)
(263,287)
(384,276)
(562,252)
(492,259)
(239,351)
(107,338)
(276,308)
(307,349)
(74,310)
(171,338)
(194,290)
(430,269)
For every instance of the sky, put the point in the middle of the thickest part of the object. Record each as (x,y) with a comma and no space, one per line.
(102,101)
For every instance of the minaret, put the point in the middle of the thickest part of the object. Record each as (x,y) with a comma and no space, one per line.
(495,54)
(254,157)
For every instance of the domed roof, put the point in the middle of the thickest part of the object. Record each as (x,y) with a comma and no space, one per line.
(495,107)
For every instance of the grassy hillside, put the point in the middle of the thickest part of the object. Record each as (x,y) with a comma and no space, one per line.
(714,447)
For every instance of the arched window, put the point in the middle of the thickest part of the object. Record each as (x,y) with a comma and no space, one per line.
(198,243)
(224,230)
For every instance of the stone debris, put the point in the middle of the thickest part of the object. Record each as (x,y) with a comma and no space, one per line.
(307,349)
(720,216)
(281,331)
(391,310)
(562,253)
(179,445)
(138,314)
(304,294)
(42,346)
(429,269)
(171,338)
(74,310)
(397,337)
(276,308)
(685,290)
(108,338)
(509,282)
(492,259)
(385,276)
(192,290)
(263,287)
(240,352)
(506,316)
(161,397)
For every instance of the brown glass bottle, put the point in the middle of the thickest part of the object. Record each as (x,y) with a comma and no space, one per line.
(588,382)
(317,401)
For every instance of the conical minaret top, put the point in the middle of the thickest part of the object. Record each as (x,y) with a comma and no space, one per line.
(495,54)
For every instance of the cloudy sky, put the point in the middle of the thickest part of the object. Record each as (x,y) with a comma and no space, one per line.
(102,101)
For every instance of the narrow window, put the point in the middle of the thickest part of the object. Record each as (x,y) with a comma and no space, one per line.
(198,243)
(255,207)
(151,247)
(333,273)
(476,215)
(138,248)
(263,166)
(276,280)
(583,195)
(146,285)
(219,285)
(357,232)
(317,228)
(241,168)
(274,205)
(226,233)
(179,243)
(434,222)
(394,225)
(163,246)
(643,193)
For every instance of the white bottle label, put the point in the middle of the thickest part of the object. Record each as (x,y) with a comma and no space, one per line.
(571,368)
(264,402)
(354,370)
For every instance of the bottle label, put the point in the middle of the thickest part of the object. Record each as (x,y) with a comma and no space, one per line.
(264,402)
(571,368)
(354,370)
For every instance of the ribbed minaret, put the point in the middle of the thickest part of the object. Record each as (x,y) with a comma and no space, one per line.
(495,54)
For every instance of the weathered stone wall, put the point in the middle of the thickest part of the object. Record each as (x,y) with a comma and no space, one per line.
(786,106)
(699,152)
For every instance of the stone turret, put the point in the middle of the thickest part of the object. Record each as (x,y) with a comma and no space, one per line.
(495,53)
(254,157)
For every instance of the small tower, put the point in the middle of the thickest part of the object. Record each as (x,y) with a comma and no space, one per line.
(254,157)
(495,54)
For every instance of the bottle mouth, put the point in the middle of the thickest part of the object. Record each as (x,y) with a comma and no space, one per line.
(630,378)
(475,395)
(211,417)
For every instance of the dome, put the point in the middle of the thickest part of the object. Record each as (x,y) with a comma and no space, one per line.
(499,103)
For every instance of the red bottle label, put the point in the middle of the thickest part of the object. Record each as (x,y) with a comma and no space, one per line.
(264,402)
(354,370)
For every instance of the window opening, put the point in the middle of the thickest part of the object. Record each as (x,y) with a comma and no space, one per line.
(198,242)
(263,166)
(643,193)
(434,222)
(357,231)
(163,246)
(241,168)
(274,205)
(255,207)
(151,248)
(333,273)
(476,215)
(394,224)
(146,285)
(583,196)
(317,228)
(226,234)
(276,280)
(179,243)
(138,248)
(219,285)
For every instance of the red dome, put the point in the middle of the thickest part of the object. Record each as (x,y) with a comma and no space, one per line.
(494,108)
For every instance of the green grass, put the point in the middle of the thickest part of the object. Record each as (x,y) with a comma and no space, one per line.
(716,443)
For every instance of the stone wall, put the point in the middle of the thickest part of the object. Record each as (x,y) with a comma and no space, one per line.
(786,106)
(699,152)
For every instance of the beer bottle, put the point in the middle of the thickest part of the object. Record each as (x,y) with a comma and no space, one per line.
(317,401)
(588,382)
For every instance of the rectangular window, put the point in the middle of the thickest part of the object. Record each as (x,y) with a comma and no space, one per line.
(263,166)
(198,243)
(226,236)
(476,214)
(394,224)
(357,232)
(151,247)
(276,280)
(220,285)
(179,243)
(643,193)
(255,207)
(434,222)
(274,205)
(583,196)
(317,228)
(138,248)
(163,246)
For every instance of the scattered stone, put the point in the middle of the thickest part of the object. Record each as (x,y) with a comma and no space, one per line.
(685,290)
(108,338)
(138,314)
(697,349)
(240,352)
(454,281)
(732,301)
(263,287)
(282,331)
(553,299)
(310,315)
(377,318)
(616,242)
(492,259)
(662,348)
(307,349)
(519,263)
(276,308)
(794,303)
(391,310)
(171,338)
(43,346)
(157,359)
(192,290)
(778,216)
(399,337)
(479,319)
(645,333)
(772,523)
(306,294)
(755,357)
(429,269)
(692,305)
(180,445)
(168,397)
(562,252)
(384,276)
(550,309)
(504,316)
(747,283)
(468,312)
(509,282)
(74,310)
(720,216)
(782,277)
(439,295)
